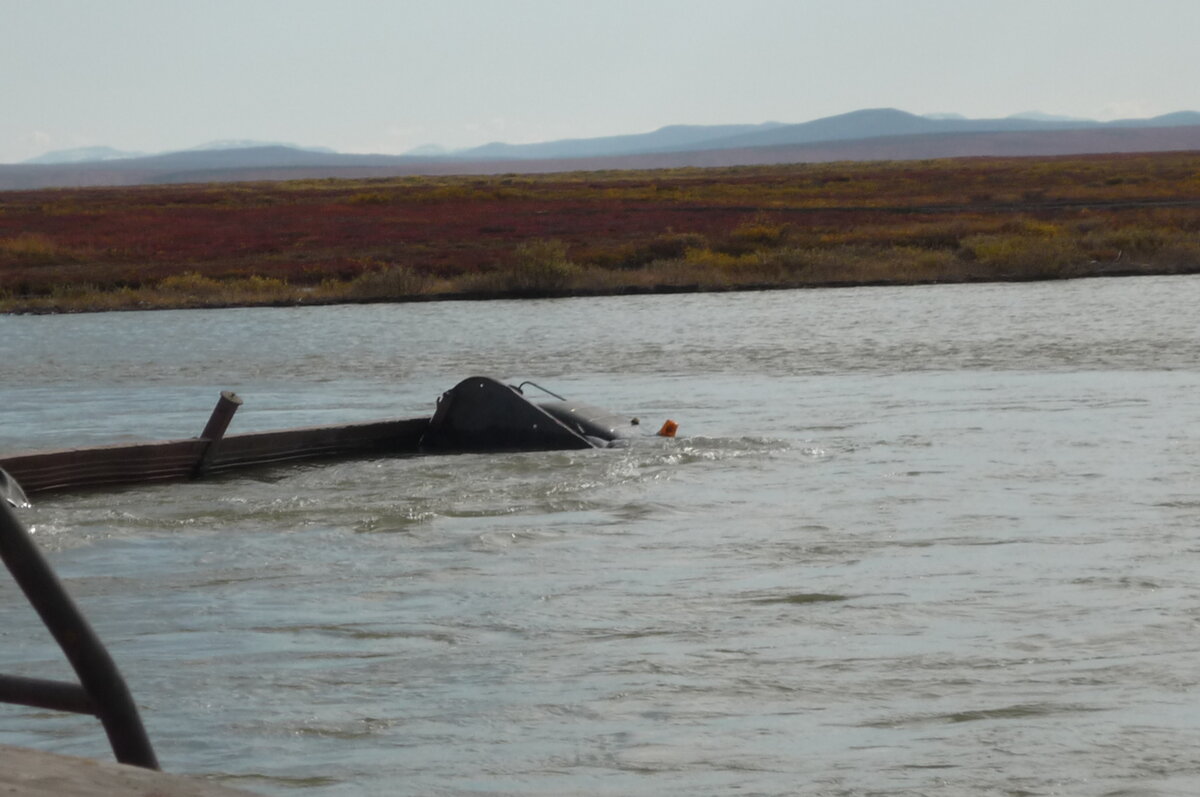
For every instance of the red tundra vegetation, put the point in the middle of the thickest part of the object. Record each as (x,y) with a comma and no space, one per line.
(315,241)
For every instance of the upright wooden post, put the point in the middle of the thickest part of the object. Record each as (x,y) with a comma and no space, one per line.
(214,430)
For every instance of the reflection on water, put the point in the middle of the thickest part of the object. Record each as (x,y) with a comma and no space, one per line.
(910,541)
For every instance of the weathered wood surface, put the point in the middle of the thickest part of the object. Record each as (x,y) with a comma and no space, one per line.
(33,773)
(102,466)
(317,442)
(176,460)
(214,430)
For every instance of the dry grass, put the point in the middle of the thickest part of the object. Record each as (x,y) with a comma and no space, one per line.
(385,282)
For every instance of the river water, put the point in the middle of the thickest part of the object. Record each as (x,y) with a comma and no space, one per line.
(910,541)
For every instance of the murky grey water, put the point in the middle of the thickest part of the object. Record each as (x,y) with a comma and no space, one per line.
(937,540)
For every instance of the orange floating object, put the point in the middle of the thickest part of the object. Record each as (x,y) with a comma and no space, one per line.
(669,428)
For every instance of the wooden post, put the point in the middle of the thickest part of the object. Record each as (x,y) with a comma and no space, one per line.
(214,430)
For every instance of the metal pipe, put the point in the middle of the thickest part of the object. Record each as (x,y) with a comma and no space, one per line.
(98,674)
(539,387)
(51,695)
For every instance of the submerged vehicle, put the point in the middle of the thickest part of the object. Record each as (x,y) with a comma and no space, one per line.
(479,414)
(482,414)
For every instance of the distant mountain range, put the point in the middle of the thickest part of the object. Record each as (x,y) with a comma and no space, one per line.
(854,126)
(874,134)
(84,155)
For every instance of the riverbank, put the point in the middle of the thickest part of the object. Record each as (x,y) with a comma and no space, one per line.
(33,773)
(515,236)
(133,301)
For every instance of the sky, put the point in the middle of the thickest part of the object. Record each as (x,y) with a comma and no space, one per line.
(387,76)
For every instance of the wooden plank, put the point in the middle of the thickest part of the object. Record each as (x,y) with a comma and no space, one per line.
(316,442)
(214,430)
(102,466)
(176,460)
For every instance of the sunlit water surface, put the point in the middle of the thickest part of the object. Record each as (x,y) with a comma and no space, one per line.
(936,540)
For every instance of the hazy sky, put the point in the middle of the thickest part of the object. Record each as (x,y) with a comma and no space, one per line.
(390,75)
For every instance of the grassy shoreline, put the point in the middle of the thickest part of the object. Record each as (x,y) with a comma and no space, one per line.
(592,234)
(102,302)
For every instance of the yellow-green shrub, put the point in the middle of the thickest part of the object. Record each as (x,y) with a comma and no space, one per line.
(190,284)
(541,265)
(1015,255)
(387,283)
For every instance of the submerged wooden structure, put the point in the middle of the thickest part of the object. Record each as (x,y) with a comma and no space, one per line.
(479,414)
